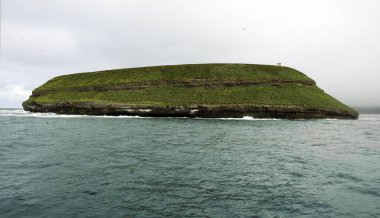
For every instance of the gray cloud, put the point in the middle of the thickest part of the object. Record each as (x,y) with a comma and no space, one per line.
(333,41)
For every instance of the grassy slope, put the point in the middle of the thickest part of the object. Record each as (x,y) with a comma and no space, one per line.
(244,72)
(310,96)
(290,94)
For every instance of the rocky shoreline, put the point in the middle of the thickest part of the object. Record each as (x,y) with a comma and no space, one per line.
(202,111)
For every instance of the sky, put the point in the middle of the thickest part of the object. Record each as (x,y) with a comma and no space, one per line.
(335,42)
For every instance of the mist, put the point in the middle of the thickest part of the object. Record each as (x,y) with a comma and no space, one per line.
(335,42)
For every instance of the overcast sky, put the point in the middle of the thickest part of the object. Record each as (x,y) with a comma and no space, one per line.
(335,42)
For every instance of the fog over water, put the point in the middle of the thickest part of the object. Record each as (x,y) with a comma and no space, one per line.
(333,41)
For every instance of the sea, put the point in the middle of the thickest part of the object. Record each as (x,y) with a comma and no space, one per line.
(97,166)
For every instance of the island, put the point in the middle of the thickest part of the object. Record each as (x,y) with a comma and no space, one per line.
(190,90)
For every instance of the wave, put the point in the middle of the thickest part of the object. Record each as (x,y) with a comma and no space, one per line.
(22,113)
(243,118)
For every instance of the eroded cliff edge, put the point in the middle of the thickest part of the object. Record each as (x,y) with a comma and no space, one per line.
(202,90)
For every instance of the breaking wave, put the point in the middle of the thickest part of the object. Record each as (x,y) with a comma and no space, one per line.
(22,113)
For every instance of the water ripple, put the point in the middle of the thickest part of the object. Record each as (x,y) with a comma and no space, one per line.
(69,166)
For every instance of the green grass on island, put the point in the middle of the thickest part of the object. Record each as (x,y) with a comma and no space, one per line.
(225,72)
(307,96)
(294,94)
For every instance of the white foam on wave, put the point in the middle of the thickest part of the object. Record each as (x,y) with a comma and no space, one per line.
(22,113)
(251,118)
(243,118)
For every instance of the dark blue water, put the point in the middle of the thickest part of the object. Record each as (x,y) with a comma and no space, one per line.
(78,166)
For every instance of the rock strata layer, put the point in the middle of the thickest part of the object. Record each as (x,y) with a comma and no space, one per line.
(201,111)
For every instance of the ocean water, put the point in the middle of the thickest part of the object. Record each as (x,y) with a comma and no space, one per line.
(84,166)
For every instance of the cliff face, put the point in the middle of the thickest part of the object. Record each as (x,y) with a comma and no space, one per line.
(204,90)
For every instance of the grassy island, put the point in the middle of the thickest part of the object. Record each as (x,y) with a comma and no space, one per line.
(194,90)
